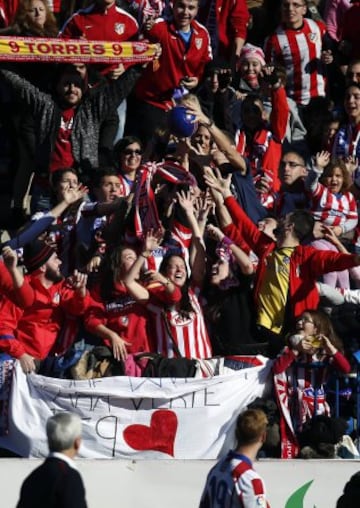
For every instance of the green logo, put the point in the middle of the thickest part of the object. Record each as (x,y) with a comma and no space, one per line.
(296,500)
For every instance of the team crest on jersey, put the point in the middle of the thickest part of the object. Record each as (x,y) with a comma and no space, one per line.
(312,36)
(119,28)
(56,298)
(198,42)
(260,501)
(181,320)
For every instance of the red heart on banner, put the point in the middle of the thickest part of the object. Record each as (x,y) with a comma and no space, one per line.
(160,436)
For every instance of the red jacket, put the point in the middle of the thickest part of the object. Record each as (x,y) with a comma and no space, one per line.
(264,151)
(156,85)
(94,24)
(123,315)
(287,358)
(23,297)
(113,24)
(232,17)
(307,264)
(7,11)
(36,328)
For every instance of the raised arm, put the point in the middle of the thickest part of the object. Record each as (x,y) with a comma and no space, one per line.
(12,282)
(29,94)
(221,140)
(312,184)
(131,279)
(245,228)
(71,196)
(197,247)
(241,258)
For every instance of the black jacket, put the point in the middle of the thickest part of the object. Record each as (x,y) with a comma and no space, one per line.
(54,484)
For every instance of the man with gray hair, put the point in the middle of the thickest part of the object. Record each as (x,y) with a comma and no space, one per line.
(57,483)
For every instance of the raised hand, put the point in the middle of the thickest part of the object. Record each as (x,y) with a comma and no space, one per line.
(78,281)
(117,72)
(186,201)
(203,205)
(193,108)
(351,163)
(94,264)
(322,159)
(153,239)
(216,181)
(10,258)
(72,195)
(214,232)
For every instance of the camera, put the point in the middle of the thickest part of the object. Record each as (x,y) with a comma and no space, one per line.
(271,79)
(224,79)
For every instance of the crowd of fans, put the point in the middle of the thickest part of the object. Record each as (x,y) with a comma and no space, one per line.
(231,230)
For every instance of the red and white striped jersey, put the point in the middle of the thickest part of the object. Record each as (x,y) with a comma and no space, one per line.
(55,5)
(126,185)
(189,333)
(8,9)
(299,51)
(329,208)
(233,483)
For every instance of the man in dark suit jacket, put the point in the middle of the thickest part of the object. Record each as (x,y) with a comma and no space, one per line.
(57,483)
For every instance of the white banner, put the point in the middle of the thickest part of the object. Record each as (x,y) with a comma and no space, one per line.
(135,418)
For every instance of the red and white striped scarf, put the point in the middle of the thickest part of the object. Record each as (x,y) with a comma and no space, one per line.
(146,213)
(289,444)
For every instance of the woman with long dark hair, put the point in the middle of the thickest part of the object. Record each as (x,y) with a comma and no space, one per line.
(128,157)
(313,351)
(114,315)
(171,296)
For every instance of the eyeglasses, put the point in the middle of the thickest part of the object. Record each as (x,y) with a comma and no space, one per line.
(294,6)
(128,151)
(305,319)
(291,164)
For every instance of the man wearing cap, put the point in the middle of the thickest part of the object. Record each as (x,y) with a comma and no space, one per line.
(31,333)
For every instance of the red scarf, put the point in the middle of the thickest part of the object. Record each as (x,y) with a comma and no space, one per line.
(146,213)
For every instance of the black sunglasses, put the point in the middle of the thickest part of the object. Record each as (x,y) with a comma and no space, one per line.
(128,151)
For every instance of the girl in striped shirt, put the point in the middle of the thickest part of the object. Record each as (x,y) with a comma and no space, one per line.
(332,204)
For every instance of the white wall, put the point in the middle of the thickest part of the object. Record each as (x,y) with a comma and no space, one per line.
(178,484)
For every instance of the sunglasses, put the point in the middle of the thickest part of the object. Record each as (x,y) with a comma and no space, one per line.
(128,151)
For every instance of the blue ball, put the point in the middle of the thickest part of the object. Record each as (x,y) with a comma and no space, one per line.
(180,122)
